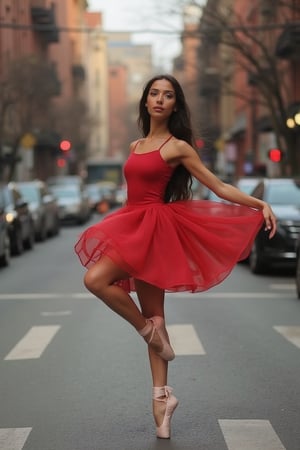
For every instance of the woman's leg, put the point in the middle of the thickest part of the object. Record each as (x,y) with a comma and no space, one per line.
(151,300)
(100,279)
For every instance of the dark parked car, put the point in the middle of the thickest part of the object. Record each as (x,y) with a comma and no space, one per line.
(4,235)
(298,266)
(283,194)
(19,218)
(43,206)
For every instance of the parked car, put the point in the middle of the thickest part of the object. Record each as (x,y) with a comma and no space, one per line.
(95,195)
(73,203)
(19,218)
(208,194)
(298,266)
(283,194)
(247,184)
(43,206)
(4,235)
(70,180)
(109,190)
(121,195)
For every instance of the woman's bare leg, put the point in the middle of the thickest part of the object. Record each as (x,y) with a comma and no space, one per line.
(151,300)
(100,279)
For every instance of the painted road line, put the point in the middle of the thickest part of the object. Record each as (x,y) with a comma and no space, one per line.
(292,333)
(34,342)
(87,295)
(185,340)
(250,435)
(284,286)
(13,438)
(31,296)
(55,313)
(231,295)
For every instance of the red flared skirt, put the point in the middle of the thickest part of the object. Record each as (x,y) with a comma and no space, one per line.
(179,246)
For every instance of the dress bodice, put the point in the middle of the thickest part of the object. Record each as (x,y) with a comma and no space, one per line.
(147,175)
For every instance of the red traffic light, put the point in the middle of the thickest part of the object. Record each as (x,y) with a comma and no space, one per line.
(65,145)
(61,162)
(275,154)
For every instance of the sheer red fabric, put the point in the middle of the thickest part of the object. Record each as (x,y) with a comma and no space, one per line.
(179,246)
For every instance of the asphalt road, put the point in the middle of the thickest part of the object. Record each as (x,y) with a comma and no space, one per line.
(74,376)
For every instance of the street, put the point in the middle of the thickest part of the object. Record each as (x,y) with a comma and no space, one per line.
(74,376)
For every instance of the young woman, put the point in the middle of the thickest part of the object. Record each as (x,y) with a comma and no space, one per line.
(161,240)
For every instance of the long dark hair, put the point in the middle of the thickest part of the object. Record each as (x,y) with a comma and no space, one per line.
(179,125)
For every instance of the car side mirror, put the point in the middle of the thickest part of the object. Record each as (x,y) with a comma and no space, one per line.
(21,203)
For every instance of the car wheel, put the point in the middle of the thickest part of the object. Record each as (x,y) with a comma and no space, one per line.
(256,261)
(5,258)
(17,246)
(298,276)
(42,234)
(56,226)
(29,242)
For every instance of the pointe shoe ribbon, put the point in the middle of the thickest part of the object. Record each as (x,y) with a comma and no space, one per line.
(164,394)
(154,325)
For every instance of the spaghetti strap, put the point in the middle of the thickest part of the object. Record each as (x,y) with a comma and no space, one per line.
(135,146)
(164,143)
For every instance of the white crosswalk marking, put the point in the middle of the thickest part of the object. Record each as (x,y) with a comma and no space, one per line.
(292,334)
(250,435)
(185,340)
(33,343)
(13,438)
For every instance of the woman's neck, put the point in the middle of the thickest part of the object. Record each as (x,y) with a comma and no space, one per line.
(158,133)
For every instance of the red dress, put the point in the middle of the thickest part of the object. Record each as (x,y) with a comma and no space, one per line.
(188,245)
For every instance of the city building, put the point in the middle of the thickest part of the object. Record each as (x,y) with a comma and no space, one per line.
(130,66)
(41,52)
(249,72)
(96,63)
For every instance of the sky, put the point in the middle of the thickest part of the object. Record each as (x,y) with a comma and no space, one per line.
(162,17)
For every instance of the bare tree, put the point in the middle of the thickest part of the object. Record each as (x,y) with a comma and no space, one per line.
(254,52)
(25,103)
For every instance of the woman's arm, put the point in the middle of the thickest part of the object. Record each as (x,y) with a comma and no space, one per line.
(190,159)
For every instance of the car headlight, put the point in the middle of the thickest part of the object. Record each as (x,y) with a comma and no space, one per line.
(10,217)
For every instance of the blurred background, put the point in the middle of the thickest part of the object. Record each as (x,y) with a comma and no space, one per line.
(70,81)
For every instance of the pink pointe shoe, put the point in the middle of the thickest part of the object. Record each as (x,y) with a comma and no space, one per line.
(164,394)
(154,325)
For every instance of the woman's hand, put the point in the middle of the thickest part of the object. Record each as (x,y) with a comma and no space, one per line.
(270,220)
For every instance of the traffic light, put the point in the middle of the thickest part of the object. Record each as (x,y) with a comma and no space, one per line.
(275,154)
(61,162)
(65,145)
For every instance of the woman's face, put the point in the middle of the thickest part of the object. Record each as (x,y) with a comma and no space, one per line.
(161,99)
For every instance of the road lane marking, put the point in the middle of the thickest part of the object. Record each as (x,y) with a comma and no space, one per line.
(250,435)
(185,340)
(283,286)
(291,333)
(34,342)
(13,438)
(87,295)
(55,313)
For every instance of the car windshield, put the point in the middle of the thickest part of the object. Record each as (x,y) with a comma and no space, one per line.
(29,193)
(284,194)
(65,191)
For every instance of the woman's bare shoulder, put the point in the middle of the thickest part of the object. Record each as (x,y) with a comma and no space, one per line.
(181,147)
(133,144)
